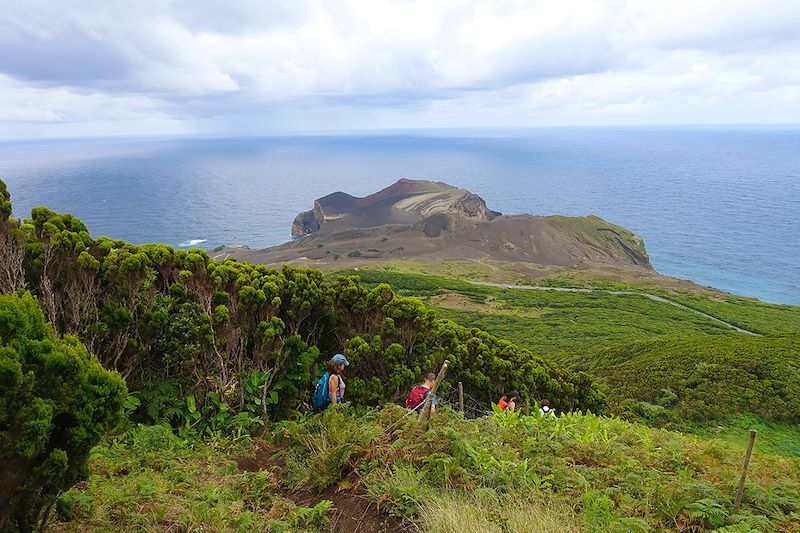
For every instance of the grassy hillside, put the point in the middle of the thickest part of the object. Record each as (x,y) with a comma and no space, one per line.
(705,378)
(502,473)
(550,323)
(151,480)
(662,364)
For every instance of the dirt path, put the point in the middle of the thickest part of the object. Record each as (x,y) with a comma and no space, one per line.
(652,297)
(354,511)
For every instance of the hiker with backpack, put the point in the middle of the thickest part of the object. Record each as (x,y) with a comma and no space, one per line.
(416,398)
(330,387)
(509,401)
(545,409)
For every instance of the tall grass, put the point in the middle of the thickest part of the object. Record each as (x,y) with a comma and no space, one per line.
(456,512)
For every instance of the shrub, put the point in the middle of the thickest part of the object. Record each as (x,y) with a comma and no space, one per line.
(56,401)
(322,447)
(403,488)
(706,379)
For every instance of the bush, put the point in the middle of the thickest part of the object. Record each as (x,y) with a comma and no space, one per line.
(705,379)
(56,401)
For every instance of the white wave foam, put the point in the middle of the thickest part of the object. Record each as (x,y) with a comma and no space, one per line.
(190,243)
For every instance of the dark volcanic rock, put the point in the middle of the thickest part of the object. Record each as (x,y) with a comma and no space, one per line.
(308,222)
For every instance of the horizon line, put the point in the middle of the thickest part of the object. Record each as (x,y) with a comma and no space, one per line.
(401,131)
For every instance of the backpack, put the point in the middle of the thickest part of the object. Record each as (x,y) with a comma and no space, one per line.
(416,396)
(503,403)
(322,398)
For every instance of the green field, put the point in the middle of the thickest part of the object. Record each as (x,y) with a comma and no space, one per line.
(550,323)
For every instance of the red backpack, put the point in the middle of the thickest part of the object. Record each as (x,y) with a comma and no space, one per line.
(416,396)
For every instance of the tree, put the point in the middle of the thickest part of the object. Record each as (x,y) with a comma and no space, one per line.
(56,401)
(12,251)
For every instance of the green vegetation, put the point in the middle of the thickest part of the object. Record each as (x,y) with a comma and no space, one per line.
(747,313)
(56,402)
(150,480)
(660,364)
(704,379)
(217,352)
(551,323)
(501,473)
(772,437)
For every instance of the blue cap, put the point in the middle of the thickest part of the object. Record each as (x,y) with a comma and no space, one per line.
(339,358)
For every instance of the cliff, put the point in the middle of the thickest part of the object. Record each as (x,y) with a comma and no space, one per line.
(405,202)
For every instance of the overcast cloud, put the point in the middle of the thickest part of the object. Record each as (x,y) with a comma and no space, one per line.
(132,67)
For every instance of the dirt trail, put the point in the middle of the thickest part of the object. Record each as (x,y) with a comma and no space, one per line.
(652,297)
(354,512)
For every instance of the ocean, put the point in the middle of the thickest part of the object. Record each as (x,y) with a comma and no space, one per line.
(719,206)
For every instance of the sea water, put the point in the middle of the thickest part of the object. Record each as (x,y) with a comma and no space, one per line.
(719,206)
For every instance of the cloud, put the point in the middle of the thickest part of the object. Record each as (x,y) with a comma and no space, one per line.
(259,66)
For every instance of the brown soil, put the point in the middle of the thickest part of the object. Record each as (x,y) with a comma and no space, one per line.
(354,511)
(262,458)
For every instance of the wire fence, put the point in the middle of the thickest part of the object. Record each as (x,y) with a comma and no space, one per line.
(473,408)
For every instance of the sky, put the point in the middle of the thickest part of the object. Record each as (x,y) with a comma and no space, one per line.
(134,67)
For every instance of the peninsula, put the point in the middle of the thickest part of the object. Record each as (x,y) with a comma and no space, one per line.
(429,222)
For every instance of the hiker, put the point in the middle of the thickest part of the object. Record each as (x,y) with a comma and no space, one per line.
(545,409)
(509,401)
(418,394)
(330,387)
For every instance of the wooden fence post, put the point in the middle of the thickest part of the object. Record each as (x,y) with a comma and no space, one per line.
(425,417)
(740,490)
(461,397)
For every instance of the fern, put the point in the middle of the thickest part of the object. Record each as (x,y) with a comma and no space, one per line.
(159,401)
(708,511)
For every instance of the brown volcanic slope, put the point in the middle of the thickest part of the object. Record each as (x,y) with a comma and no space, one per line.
(431,221)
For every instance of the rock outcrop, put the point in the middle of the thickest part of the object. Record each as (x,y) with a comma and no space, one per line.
(405,202)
